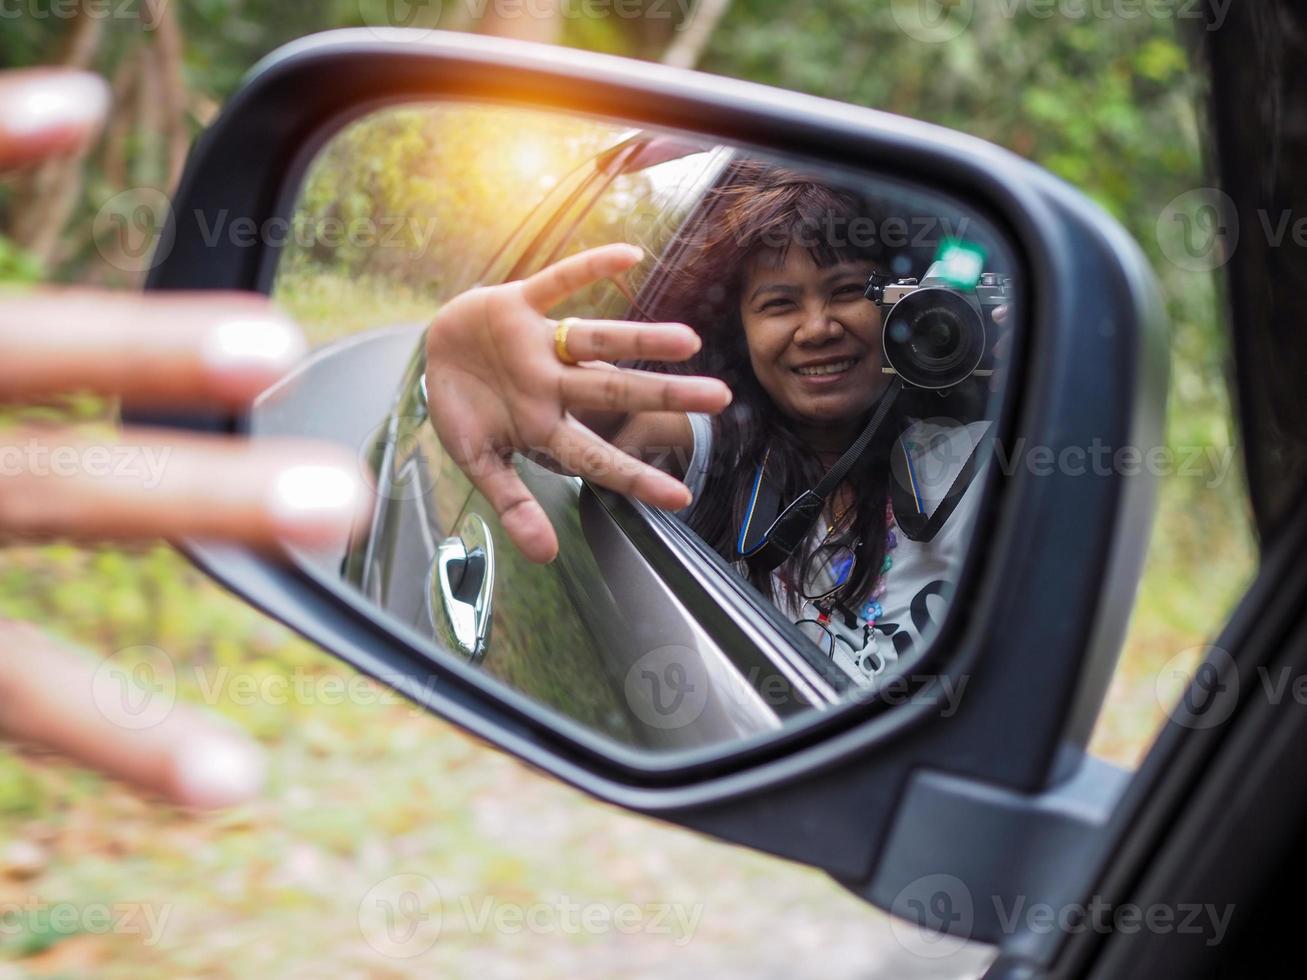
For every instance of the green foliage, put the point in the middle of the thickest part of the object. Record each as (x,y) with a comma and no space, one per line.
(16,265)
(422,197)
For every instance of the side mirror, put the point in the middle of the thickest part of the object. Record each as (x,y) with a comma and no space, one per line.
(643,665)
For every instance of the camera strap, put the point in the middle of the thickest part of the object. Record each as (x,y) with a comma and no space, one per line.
(909,513)
(766,545)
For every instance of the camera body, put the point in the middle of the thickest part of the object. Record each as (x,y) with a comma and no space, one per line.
(935,334)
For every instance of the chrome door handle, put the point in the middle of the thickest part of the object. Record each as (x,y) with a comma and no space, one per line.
(462,589)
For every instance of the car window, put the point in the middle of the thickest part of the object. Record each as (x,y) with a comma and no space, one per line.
(533,237)
(644,205)
(670,209)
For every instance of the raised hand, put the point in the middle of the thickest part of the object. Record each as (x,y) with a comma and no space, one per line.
(497,383)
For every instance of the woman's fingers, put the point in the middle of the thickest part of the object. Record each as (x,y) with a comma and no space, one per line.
(48,112)
(641,391)
(550,286)
(1002,347)
(97,714)
(162,348)
(520,514)
(143,484)
(578,450)
(617,340)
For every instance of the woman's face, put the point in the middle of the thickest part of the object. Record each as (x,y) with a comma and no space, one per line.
(814,340)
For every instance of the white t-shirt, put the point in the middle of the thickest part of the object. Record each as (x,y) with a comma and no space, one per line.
(920,579)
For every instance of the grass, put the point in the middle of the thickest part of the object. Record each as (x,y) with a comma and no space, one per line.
(330,307)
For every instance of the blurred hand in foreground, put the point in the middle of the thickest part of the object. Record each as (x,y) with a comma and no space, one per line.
(171,351)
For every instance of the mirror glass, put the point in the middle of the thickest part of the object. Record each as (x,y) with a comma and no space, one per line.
(860,321)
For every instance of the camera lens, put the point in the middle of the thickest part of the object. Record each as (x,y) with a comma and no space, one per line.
(937,337)
(934,338)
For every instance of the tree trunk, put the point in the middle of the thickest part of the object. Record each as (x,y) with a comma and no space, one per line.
(48,196)
(160,17)
(692,38)
(535,20)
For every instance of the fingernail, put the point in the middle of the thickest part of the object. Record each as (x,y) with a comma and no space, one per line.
(676,490)
(217,770)
(55,101)
(636,252)
(260,344)
(310,496)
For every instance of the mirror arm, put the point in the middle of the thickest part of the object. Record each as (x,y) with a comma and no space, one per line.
(1004,851)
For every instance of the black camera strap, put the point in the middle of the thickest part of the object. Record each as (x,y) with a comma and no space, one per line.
(912,521)
(768,549)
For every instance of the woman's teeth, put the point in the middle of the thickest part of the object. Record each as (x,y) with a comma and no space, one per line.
(820,369)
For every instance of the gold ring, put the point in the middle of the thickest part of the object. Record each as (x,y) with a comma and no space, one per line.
(560,339)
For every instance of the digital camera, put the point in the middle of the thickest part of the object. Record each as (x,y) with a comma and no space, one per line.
(935,334)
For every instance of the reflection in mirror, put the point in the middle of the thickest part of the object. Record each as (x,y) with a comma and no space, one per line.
(815,354)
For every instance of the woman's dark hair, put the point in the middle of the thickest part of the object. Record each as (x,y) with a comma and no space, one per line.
(756,214)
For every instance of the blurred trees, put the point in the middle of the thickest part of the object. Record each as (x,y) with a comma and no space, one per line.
(1107,103)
